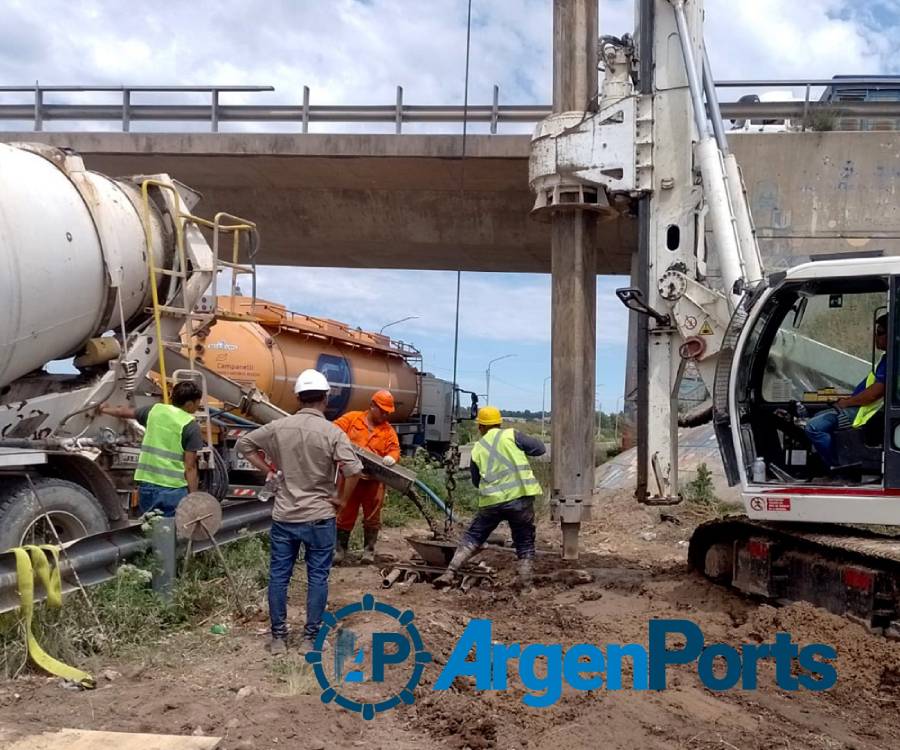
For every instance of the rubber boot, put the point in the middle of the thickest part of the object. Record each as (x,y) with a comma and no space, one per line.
(278,646)
(340,546)
(370,536)
(460,558)
(525,575)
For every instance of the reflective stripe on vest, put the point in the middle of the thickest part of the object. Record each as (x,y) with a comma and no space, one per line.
(505,472)
(162,458)
(866,412)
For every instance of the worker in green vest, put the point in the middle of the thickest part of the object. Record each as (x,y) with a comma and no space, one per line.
(854,410)
(167,466)
(503,476)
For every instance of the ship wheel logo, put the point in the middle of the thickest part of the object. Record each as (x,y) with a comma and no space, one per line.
(390,651)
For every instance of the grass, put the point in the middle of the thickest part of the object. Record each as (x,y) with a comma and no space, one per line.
(700,496)
(296,675)
(125,614)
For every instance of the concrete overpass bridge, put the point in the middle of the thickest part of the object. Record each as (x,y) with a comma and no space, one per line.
(411,201)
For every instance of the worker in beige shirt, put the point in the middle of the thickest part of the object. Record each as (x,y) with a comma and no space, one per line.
(306,450)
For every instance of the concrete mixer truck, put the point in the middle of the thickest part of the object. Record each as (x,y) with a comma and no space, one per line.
(108,271)
(118,274)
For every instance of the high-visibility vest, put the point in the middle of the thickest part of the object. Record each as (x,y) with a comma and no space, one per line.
(505,472)
(162,458)
(866,412)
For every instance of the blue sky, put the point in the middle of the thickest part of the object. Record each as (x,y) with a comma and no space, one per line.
(354,52)
(499,314)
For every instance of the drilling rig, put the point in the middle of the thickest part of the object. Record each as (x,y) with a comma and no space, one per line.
(649,147)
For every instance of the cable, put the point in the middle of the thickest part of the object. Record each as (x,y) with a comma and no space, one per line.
(462,175)
(466,83)
(513,385)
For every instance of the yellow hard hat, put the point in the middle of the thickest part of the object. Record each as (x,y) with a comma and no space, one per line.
(489,416)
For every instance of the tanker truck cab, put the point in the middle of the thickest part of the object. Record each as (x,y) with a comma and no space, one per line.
(792,349)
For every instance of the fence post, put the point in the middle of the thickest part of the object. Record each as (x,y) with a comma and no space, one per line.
(162,536)
(306,109)
(495,110)
(398,117)
(38,104)
(126,111)
(215,111)
(806,108)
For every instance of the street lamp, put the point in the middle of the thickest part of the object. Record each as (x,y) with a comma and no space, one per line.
(543,404)
(386,325)
(487,376)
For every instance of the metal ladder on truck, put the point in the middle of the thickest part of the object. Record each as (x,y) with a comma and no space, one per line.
(195,319)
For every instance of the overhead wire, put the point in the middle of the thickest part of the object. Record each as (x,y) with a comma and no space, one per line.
(462,178)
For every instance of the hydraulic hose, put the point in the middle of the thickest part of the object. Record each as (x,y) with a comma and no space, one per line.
(430,494)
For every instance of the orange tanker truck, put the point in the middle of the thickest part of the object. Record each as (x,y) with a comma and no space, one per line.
(263,344)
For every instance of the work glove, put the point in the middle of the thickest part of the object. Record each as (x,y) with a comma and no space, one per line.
(388,460)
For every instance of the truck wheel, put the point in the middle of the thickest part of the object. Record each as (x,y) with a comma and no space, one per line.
(65,507)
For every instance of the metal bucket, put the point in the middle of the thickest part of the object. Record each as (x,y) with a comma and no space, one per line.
(433,552)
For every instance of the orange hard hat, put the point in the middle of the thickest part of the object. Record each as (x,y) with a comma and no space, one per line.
(384,401)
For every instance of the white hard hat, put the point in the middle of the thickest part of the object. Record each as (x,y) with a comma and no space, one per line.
(311,380)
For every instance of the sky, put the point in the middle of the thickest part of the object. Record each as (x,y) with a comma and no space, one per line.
(357,52)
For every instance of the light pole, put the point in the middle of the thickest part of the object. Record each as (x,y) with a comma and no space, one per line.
(544,404)
(487,376)
(402,320)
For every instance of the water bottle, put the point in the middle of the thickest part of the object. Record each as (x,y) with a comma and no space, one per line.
(271,487)
(759,469)
(802,413)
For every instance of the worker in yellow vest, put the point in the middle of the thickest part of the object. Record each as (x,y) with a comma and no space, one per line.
(854,410)
(503,476)
(167,466)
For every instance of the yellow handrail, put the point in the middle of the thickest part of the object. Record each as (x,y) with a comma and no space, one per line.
(179,248)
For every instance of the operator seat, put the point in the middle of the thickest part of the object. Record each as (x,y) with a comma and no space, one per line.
(860,448)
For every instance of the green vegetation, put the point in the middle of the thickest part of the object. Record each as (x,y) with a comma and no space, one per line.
(700,489)
(822,120)
(295,674)
(700,496)
(125,614)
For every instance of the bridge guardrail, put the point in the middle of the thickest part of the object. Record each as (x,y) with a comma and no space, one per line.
(38,110)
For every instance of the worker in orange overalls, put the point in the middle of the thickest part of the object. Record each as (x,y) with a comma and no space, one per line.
(372,431)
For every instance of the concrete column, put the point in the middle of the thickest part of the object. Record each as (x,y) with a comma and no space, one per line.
(574,297)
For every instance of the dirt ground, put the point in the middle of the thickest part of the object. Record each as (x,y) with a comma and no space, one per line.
(229,686)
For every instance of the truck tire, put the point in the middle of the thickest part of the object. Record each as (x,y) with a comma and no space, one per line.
(73,511)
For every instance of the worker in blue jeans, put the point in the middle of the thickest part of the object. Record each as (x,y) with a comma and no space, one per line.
(167,465)
(854,410)
(306,450)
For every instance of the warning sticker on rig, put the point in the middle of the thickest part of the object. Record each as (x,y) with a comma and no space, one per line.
(778,503)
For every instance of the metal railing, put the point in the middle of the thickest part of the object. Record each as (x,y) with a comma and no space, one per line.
(96,558)
(38,111)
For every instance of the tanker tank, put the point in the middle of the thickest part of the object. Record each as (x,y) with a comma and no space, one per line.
(267,346)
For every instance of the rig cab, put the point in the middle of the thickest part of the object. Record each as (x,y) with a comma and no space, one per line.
(792,349)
